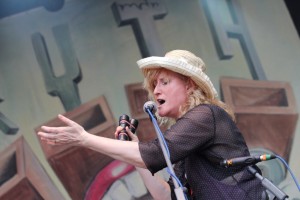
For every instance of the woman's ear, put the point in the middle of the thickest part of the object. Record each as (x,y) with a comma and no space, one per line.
(190,85)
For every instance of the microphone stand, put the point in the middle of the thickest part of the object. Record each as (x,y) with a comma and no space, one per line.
(268,185)
(178,190)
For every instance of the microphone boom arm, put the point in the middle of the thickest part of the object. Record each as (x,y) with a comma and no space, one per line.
(178,190)
(268,184)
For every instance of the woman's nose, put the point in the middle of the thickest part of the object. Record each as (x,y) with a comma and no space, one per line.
(156,90)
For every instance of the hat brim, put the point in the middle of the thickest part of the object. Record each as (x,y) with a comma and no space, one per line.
(181,67)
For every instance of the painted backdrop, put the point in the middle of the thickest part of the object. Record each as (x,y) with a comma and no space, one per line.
(79,58)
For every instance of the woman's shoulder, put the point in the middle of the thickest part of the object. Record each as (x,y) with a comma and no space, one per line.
(211,107)
(202,110)
(208,109)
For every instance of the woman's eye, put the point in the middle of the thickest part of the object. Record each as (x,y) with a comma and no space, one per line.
(165,82)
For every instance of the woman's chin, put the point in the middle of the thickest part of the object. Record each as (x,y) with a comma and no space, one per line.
(161,114)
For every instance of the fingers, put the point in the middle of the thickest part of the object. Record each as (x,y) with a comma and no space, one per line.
(52,141)
(53,130)
(132,136)
(128,131)
(47,135)
(50,138)
(118,129)
(66,120)
(71,133)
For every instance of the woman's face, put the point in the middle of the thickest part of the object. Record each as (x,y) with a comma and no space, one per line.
(170,92)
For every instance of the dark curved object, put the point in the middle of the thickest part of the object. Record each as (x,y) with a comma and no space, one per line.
(12,7)
(53,5)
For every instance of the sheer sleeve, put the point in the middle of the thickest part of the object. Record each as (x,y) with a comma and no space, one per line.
(191,133)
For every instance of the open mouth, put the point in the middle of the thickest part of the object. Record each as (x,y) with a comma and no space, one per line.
(160,101)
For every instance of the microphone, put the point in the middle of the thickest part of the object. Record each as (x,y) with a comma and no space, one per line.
(150,106)
(124,122)
(247,160)
(133,125)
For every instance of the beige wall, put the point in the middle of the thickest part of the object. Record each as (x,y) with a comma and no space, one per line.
(107,55)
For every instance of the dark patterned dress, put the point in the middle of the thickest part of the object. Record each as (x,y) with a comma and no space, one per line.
(198,142)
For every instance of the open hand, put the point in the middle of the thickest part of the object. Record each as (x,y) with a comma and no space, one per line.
(72,133)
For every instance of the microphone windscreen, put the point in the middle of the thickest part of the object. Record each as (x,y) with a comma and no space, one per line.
(150,105)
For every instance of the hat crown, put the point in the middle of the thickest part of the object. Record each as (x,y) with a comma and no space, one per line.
(182,62)
(187,57)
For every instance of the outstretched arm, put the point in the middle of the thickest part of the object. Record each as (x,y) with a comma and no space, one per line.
(157,186)
(74,134)
(126,151)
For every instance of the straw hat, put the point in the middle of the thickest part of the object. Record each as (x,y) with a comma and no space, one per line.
(182,62)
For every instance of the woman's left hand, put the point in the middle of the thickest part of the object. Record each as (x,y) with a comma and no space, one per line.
(133,137)
(72,133)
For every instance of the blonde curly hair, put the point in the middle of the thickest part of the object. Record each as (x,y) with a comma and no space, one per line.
(196,95)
